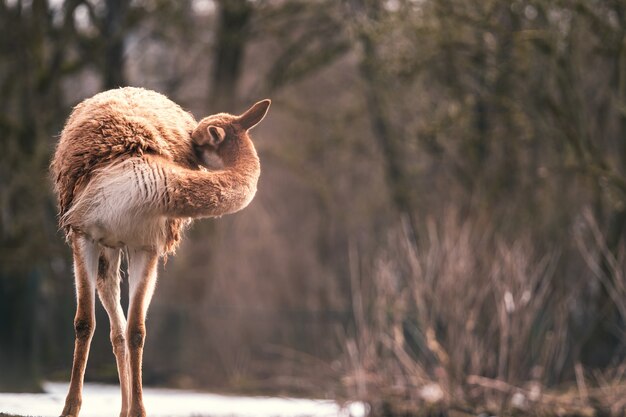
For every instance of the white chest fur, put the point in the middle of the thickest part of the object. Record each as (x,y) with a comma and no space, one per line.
(120,206)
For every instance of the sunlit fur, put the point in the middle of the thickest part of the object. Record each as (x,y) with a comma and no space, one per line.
(145,154)
(131,170)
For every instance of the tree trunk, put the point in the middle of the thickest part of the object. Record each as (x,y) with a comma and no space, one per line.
(382,129)
(113,32)
(232,34)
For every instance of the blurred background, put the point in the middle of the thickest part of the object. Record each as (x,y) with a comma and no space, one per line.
(440,217)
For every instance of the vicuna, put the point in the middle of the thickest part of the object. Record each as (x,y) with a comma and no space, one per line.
(130,172)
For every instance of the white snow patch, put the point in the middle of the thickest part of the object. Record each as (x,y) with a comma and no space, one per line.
(104,400)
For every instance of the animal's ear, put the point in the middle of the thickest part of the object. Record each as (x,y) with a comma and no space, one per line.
(254,114)
(211,135)
(216,135)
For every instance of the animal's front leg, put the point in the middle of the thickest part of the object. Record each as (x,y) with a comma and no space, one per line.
(142,279)
(85,270)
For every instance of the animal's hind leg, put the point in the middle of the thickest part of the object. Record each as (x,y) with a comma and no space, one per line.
(85,270)
(108,284)
(142,268)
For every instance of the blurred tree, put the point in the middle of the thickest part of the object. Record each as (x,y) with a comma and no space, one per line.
(231,39)
(31,71)
(588,116)
(369,22)
(113,35)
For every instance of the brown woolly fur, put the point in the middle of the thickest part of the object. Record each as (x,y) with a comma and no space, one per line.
(131,170)
(146,128)
(118,124)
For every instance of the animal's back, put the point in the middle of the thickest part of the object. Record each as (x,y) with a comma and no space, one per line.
(116,125)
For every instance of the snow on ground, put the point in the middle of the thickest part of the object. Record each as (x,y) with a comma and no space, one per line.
(104,401)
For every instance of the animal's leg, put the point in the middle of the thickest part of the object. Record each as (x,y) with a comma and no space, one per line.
(108,285)
(85,270)
(142,279)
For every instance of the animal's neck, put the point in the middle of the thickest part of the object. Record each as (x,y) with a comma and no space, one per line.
(215,193)
(126,203)
(240,156)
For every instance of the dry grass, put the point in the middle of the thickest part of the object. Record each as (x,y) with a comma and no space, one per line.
(465,320)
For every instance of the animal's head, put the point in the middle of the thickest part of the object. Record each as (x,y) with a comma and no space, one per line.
(219,138)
